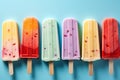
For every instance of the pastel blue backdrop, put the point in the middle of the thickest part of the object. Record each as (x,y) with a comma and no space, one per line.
(59,9)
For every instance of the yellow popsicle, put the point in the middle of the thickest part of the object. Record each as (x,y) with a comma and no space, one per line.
(10,44)
(90,41)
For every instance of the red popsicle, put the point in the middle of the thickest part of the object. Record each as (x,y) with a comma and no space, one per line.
(110,41)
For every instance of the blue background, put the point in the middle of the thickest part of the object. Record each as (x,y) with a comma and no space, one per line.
(59,9)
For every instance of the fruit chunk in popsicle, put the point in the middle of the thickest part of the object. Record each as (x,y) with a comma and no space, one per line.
(90,41)
(70,43)
(10,43)
(30,39)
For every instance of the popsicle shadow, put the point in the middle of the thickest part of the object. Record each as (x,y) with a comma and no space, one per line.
(58,64)
(116,62)
(119,31)
(37,62)
(100,66)
(16,65)
(100,38)
(97,64)
(77,64)
(80,36)
(78,67)
(116,69)
(14,68)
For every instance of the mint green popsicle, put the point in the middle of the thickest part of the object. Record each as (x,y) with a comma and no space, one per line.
(50,42)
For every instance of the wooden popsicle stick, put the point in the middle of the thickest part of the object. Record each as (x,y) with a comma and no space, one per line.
(70,66)
(29,66)
(51,68)
(10,64)
(90,68)
(111,66)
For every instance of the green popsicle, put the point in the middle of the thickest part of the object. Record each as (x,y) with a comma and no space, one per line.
(50,42)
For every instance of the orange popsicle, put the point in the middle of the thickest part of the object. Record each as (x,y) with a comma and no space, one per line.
(30,40)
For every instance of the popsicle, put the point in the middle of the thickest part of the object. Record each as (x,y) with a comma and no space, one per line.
(30,41)
(10,44)
(110,41)
(70,42)
(50,43)
(90,43)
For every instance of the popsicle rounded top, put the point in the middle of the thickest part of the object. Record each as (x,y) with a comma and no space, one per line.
(110,39)
(70,40)
(10,41)
(50,41)
(89,20)
(90,41)
(30,38)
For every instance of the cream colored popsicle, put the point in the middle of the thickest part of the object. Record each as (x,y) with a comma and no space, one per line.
(50,43)
(90,42)
(10,44)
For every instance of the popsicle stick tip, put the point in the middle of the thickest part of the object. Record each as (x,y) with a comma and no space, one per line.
(90,68)
(71,67)
(29,66)
(111,67)
(11,71)
(51,68)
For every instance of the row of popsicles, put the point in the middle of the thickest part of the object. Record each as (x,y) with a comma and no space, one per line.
(29,47)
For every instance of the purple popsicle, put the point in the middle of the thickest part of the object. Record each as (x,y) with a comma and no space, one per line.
(70,40)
